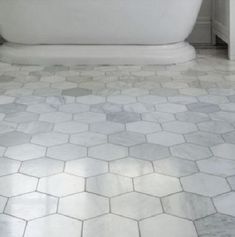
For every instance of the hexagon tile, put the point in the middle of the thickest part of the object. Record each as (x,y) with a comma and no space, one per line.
(121,151)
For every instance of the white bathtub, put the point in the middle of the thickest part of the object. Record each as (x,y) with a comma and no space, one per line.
(97,31)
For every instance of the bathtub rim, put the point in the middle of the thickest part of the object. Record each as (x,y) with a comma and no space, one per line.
(97,54)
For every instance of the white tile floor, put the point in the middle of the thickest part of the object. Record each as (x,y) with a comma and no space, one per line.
(121,151)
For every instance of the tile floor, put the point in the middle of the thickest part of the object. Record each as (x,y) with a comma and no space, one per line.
(121,151)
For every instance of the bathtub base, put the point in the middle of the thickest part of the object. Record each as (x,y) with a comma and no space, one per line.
(96,54)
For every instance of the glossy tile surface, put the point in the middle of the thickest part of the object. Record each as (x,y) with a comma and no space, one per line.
(131,151)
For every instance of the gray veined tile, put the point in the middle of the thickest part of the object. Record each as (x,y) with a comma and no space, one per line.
(143,73)
(193,91)
(213,99)
(149,85)
(217,166)
(194,73)
(54,226)
(152,99)
(42,167)
(88,139)
(121,99)
(221,91)
(149,152)
(139,108)
(63,85)
(53,69)
(93,85)
(3,202)
(86,167)
(47,92)
(6,226)
(136,205)
(74,108)
(135,91)
(171,108)
(92,73)
(131,167)
(107,127)
(127,138)
(231,98)
(17,184)
(175,167)
(41,108)
(30,100)
(25,78)
(167,226)
(4,99)
(61,185)
(6,127)
(106,108)
(188,205)
(216,226)
(231,181)
(36,85)
(107,91)
(225,203)
(40,73)
(89,117)
(71,127)
(182,99)
(67,152)
(57,101)
(25,152)
(90,99)
(31,206)
(164,91)
(203,107)
(109,185)
(179,127)
(21,117)
(225,151)
(13,138)
(19,92)
(109,225)
(218,127)
(157,185)
(49,139)
(6,78)
(8,166)
(52,79)
(204,138)
(229,137)
(108,152)
(2,116)
(190,151)
(192,117)
(12,108)
(123,117)
(158,117)
(228,107)
(35,127)
(205,184)
(223,116)
(55,117)
(165,138)
(83,206)
(143,127)
(175,85)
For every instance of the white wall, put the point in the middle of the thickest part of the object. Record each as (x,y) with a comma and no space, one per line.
(202,31)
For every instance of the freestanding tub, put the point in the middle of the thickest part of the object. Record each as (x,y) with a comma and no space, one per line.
(97,31)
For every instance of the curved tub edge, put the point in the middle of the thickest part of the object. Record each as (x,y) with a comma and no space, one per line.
(96,54)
